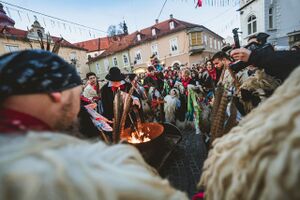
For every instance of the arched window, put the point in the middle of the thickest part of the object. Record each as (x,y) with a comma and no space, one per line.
(252,24)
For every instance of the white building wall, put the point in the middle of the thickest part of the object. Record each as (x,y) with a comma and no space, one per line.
(255,8)
(286,19)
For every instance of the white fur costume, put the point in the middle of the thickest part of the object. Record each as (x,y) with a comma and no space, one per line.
(259,158)
(59,167)
(171,103)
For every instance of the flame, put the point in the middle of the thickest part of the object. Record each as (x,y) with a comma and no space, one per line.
(138,137)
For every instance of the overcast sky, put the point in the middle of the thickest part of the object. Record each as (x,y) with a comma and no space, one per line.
(99,14)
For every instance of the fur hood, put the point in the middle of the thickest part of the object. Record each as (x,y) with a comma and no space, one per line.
(56,167)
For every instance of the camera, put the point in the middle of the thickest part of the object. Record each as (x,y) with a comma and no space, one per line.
(259,45)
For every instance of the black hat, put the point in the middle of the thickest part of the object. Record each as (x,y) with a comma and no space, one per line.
(115,74)
(35,71)
(262,37)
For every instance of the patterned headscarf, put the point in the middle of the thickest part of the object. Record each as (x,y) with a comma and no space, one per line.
(35,71)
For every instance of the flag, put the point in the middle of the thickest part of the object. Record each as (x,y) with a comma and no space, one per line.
(19,15)
(28,18)
(199,3)
(8,11)
(44,22)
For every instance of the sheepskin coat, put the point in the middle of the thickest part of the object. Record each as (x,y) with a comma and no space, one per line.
(43,165)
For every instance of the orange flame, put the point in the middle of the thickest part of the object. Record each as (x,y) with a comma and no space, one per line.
(138,137)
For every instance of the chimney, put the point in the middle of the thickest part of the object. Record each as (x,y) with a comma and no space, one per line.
(171,16)
(156,21)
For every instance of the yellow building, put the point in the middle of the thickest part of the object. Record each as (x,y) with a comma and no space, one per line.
(116,55)
(173,41)
(12,39)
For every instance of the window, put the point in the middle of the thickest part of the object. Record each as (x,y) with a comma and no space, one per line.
(215,43)
(11,48)
(205,40)
(97,68)
(115,62)
(271,21)
(210,42)
(138,37)
(125,59)
(73,55)
(106,65)
(153,32)
(252,24)
(154,50)
(219,45)
(172,25)
(173,45)
(138,57)
(195,39)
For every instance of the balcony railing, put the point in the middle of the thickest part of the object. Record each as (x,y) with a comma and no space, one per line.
(196,49)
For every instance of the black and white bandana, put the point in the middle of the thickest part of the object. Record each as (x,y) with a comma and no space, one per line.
(35,71)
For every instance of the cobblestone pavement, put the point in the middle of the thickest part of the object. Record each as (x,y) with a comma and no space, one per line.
(183,167)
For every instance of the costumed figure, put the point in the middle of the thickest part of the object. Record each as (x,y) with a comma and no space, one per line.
(255,89)
(171,104)
(153,84)
(116,81)
(156,63)
(259,158)
(91,91)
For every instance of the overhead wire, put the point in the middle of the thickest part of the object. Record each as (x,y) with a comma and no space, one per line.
(51,17)
(162,9)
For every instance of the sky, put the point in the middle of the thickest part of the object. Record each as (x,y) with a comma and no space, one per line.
(100,14)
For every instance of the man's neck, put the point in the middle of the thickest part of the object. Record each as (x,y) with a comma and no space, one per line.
(13,121)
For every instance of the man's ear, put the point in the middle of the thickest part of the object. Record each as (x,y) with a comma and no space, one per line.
(55,96)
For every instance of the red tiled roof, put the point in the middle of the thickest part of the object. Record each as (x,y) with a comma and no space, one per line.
(66,43)
(19,34)
(93,45)
(9,31)
(118,44)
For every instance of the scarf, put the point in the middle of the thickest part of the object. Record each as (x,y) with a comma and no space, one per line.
(152,76)
(193,108)
(213,73)
(185,82)
(114,89)
(12,121)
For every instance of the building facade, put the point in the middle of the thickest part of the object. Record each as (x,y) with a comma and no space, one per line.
(13,39)
(173,41)
(102,65)
(278,18)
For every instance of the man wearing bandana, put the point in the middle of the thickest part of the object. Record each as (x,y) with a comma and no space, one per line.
(40,94)
(38,91)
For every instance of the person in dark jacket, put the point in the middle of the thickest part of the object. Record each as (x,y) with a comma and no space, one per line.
(116,80)
(278,64)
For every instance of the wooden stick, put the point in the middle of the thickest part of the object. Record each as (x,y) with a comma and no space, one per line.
(127,105)
(117,108)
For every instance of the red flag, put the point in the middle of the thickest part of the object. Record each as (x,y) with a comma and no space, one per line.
(199,3)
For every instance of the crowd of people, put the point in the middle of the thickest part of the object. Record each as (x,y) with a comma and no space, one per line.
(41,96)
(185,95)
